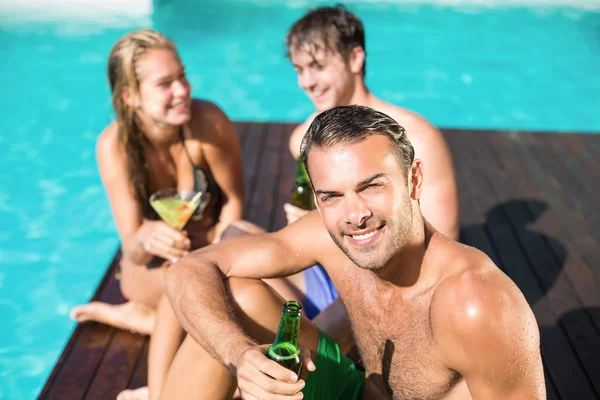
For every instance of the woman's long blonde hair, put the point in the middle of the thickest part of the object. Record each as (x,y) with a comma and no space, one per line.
(123,73)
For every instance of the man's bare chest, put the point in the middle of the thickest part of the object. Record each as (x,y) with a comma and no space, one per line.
(397,348)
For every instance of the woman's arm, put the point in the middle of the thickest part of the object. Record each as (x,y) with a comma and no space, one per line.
(126,210)
(141,239)
(221,148)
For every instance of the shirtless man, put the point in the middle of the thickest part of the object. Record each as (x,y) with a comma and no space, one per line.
(327,48)
(432,318)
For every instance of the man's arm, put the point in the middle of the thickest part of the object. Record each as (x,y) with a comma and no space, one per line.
(488,333)
(196,291)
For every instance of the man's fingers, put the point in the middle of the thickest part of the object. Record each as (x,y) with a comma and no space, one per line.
(267,383)
(271,368)
(261,388)
(306,357)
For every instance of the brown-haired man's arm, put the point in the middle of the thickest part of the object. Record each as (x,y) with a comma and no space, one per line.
(197,293)
(490,336)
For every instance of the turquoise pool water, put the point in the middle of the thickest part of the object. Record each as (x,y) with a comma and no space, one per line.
(479,67)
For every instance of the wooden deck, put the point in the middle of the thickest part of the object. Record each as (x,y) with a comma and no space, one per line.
(529,200)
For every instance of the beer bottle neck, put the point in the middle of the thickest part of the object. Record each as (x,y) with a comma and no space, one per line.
(289,327)
(301,174)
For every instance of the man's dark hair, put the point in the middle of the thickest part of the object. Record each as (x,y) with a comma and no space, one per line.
(353,124)
(327,28)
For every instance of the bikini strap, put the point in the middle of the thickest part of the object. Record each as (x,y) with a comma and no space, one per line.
(185,148)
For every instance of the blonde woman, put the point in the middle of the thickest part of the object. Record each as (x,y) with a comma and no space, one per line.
(161,138)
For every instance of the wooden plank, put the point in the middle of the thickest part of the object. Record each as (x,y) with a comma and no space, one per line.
(266,179)
(559,293)
(592,145)
(117,366)
(251,161)
(568,153)
(140,374)
(77,364)
(554,224)
(472,212)
(575,195)
(574,282)
(242,129)
(552,189)
(513,261)
(287,173)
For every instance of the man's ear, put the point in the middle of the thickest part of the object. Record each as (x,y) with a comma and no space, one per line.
(129,98)
(356,60)
(416,179)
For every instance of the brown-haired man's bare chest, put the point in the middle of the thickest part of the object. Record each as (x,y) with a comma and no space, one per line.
(397,347)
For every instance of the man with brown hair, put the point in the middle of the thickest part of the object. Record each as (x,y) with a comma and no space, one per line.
(432,318)
(327,48)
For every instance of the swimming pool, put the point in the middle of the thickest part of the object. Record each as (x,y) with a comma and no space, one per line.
(465,66)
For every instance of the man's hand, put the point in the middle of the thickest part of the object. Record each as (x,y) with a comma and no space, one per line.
(262,378)
(292,213)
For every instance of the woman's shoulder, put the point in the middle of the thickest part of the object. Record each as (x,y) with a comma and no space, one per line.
(109,137)
(107,145)
(208,119)
(206,110)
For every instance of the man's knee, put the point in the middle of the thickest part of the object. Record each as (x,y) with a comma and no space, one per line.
(240,228)
(247,294)
(257,307)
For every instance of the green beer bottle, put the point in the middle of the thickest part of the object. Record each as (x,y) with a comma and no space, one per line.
(286,350)
(302,194)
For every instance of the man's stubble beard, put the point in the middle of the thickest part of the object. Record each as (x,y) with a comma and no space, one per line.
(392,247)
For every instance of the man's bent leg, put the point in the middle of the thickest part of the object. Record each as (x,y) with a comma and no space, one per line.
(195,374)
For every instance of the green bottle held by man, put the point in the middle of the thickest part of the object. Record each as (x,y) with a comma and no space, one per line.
(286,349)
(302,194)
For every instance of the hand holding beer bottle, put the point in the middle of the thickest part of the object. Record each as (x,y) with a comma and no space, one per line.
(274,371)
(302,195)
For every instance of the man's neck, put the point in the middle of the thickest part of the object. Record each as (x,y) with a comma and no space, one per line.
(406,269)
(361,95)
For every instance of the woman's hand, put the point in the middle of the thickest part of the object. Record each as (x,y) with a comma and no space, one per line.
(292,213)
(159,239)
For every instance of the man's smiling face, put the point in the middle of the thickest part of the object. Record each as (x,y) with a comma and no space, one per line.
(364,199)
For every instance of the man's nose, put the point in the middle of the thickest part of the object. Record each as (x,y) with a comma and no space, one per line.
(357,211)
(307,79)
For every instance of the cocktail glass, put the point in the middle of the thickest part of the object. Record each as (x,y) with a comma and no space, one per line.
(176,207)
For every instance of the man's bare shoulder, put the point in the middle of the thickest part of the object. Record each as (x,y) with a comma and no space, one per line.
(472,281)
(298,134)
(420,131)
(477,305)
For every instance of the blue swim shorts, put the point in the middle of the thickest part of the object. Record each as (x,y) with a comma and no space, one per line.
(320,291)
